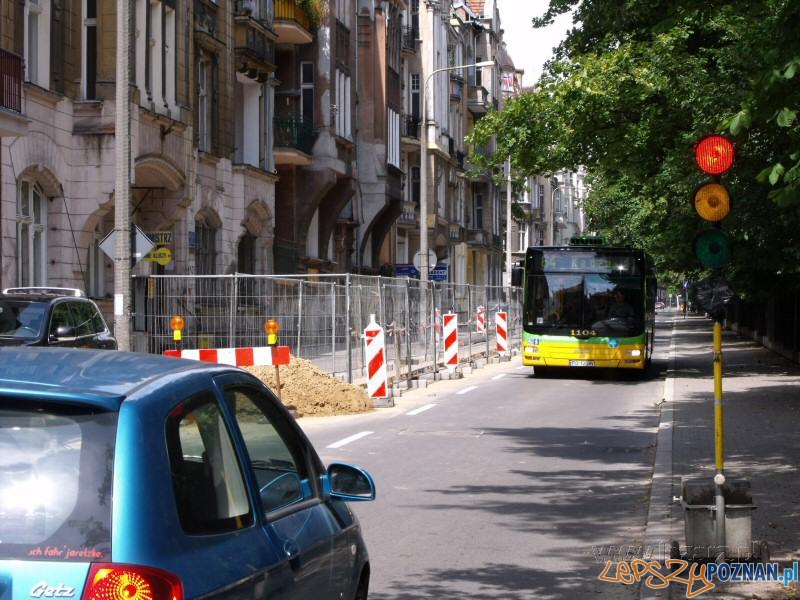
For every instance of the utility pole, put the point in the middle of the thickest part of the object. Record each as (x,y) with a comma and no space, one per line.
(122,181)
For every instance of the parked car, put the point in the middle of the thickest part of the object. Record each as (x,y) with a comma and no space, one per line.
(42,316)
(172,479)
(660,305)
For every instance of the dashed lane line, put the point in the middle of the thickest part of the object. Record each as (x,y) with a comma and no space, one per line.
(421,409)
(499,376)
(466,390)
(352,438)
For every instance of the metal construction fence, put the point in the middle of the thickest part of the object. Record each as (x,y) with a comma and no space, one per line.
(322,317)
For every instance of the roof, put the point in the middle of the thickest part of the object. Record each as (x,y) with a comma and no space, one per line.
(100,377)
(476,6)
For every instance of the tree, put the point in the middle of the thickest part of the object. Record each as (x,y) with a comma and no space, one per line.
(629,92)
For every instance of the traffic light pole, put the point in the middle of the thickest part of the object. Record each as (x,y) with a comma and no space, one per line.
(719,441)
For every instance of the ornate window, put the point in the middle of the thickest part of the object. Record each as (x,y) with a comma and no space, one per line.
(31,234)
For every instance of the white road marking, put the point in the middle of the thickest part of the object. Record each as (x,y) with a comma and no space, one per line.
(467,389)
(421,409)
(500,376)
(523,367)
(352,438)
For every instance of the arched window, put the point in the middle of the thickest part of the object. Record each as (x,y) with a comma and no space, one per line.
(206,246)
(31,234)
(246,262)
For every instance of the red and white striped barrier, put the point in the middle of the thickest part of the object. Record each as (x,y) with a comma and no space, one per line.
(451,340)
(374,345)
(237,357)
(480,320)
(501,322)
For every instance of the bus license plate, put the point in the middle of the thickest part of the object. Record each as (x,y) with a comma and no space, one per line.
(581,363)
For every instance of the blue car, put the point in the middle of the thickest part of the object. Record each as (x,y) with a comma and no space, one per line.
(136,477)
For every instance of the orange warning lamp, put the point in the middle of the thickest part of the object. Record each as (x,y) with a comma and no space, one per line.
(176,324)
(271,328)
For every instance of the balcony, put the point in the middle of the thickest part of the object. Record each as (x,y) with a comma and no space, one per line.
(409,39)
(12,122)
(254,48)
(205,18)
(537,214)
(291,23)
(478,100)
(456,232)
(293,141)
(261,10)
(410,127)
(408,215)
(477,237)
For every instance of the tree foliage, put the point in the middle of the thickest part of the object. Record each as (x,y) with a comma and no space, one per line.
(631,89)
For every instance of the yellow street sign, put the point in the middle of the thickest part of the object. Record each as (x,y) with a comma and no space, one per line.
(162,256)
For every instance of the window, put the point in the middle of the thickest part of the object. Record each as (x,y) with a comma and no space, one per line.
(156,63)
(89,49)
(415,106)
(37,41)
(343,105)
(249,121)
(393,142)
(477,205)
(540,188)
(56,469)
(209,488)
(206,244)
(31,235)
(88,319)
(204,104)
(415,17)
(61,316)
(307,93)
(276,452)
(246,262)
(343,14)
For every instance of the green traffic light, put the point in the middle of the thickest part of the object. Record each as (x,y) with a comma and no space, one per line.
(712,248)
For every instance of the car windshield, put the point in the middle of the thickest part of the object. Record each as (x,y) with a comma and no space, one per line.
(605,303)
(55,482)
(21,319)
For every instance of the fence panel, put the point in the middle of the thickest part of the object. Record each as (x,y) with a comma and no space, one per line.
(322,318)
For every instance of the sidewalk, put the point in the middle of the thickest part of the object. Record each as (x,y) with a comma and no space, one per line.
(761,400)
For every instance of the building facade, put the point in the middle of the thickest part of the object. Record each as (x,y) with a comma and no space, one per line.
(262,140)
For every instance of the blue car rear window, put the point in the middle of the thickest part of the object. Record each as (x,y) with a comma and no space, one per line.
(55,483)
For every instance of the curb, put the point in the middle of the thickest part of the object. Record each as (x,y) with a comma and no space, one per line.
(658,531)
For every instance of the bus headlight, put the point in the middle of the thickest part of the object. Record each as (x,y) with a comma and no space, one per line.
(636,352)
(531,349)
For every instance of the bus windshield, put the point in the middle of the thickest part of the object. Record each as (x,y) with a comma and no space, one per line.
(607,304)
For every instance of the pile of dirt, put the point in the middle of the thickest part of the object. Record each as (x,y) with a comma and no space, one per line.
(310,391)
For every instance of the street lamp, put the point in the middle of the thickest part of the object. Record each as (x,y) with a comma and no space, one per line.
(423,175)
(552,226)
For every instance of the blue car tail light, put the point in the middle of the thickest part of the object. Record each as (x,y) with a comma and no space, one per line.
(131,582)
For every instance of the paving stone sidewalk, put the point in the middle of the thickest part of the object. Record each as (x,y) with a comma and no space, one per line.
(761,399)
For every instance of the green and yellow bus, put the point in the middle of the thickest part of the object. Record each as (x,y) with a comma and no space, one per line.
(587,306)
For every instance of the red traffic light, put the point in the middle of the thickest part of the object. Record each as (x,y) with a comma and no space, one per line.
(714,154)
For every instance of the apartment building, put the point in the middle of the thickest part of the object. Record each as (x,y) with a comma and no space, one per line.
(464,220)
(553,208)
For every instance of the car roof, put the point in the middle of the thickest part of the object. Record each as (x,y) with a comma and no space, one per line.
(40,297)
(101,378)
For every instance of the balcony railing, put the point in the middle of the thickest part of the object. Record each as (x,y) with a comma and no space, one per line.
(408,215)
(288,10)
(261,10)
(205,17)
(411,126)
(10,81)
(253,45)
(410,37)
(293,132)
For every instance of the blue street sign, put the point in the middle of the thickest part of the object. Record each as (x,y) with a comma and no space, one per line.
(439,273)
(406,270)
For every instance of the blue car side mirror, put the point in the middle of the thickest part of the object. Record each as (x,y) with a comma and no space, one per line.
(346,482)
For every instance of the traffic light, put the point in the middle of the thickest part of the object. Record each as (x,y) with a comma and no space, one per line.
(714,155)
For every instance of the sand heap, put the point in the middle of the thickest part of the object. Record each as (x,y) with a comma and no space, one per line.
(310,391)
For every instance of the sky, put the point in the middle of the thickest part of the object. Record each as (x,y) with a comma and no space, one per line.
(530,48)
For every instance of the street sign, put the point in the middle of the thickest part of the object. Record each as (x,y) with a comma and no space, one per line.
(142,245)
(162,238)
(418,260)
(162,256)
(406,270)
(439,273)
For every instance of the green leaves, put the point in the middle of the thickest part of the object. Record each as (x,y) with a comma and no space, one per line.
(786,118)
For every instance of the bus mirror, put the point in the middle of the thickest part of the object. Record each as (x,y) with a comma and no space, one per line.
(516,276)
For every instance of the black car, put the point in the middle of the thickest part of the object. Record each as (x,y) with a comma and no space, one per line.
(38,316)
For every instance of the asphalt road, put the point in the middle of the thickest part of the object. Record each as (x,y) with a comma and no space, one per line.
(502,485)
